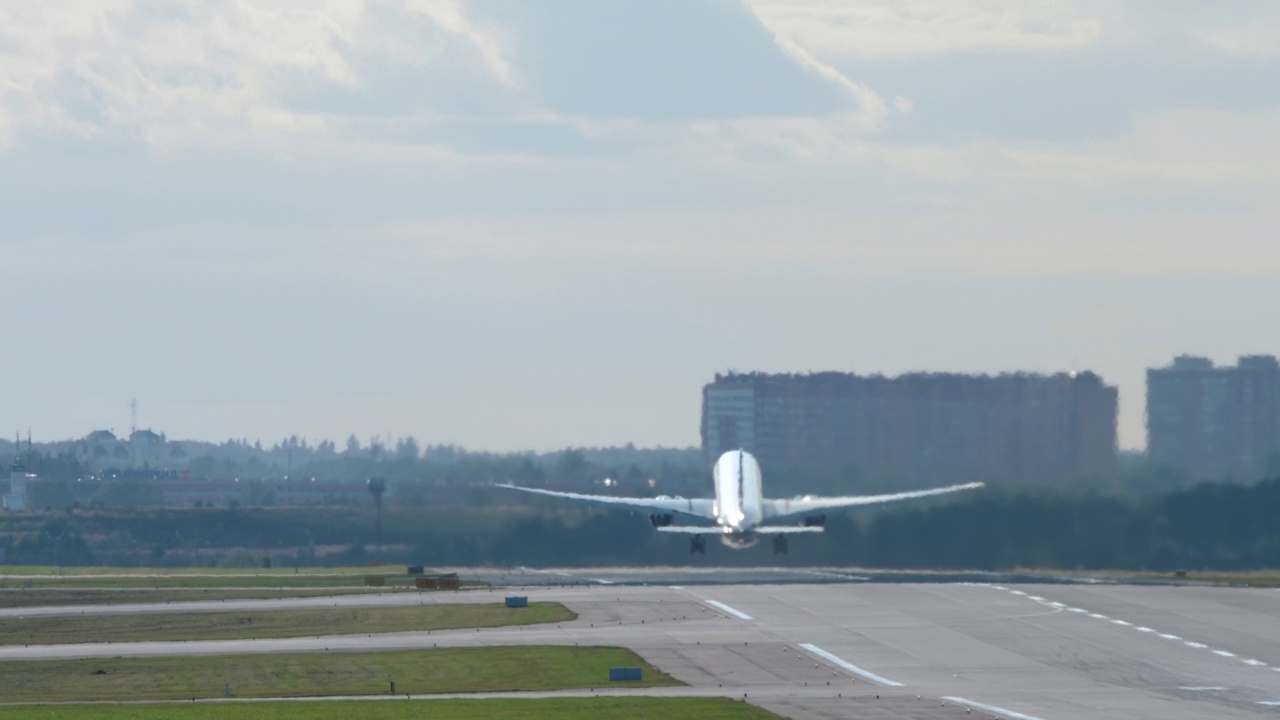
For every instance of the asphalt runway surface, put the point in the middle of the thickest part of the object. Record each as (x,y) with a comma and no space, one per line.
(864,649)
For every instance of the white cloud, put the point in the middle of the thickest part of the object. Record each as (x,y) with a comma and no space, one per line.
(487,41)
(204,73)
(913,28)
(1259,40)
(1221,154)
(872,107)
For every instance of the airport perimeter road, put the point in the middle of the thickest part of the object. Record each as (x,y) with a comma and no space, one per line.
(1046,652)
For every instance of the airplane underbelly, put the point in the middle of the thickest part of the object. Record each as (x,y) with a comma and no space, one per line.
(739,541)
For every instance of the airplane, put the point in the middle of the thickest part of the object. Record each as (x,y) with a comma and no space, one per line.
(741,513)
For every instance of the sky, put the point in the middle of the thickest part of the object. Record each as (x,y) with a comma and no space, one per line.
(514,225)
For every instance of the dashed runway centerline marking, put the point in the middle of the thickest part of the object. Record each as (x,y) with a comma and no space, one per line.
(989,708)
(866,674)
(1140,628)
(721,606)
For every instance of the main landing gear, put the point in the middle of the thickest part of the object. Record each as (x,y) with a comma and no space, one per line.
(780,545)
(698,545)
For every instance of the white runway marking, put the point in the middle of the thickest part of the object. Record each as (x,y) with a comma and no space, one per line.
(1204,688)
(866,674)
(721,606)
(602,582)
(989,708)
(1144,629)
(819,573)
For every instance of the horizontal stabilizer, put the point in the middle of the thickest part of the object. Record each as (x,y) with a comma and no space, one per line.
(786,529)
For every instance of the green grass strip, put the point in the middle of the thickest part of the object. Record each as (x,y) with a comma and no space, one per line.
(444,670)
(11,571)
(159,582)
(631,708)
(39,630)
(38,597)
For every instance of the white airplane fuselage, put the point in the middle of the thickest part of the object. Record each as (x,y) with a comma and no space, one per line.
(739,502)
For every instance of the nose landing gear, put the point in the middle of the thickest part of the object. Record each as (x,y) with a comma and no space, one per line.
(780,545)
(698,545)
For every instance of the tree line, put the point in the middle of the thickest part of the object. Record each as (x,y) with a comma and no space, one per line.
(1207,526)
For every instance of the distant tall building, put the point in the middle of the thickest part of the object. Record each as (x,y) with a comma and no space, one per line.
(16,499)
(1214,422)
(919,428)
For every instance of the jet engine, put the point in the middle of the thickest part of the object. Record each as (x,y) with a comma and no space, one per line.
(815,521)
(660,520)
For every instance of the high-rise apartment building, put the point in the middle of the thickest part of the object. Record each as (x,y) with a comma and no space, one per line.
(1214,422)
(919,428)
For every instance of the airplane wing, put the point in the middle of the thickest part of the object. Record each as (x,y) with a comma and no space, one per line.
(785,510)
(759,529)
(701,509)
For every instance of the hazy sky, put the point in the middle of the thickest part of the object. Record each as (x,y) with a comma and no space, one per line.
(518,225)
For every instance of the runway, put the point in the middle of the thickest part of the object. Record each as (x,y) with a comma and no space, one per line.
(917,650)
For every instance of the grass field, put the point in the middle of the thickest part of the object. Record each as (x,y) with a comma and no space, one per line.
(43,577)
(567,708)
(1261,578)
(44,597)
(190,581)
(1240,578)
(318,674)
(24,571)
(270,623)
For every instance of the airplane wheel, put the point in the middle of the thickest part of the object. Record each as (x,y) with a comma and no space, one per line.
(780,545)
(697,546)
